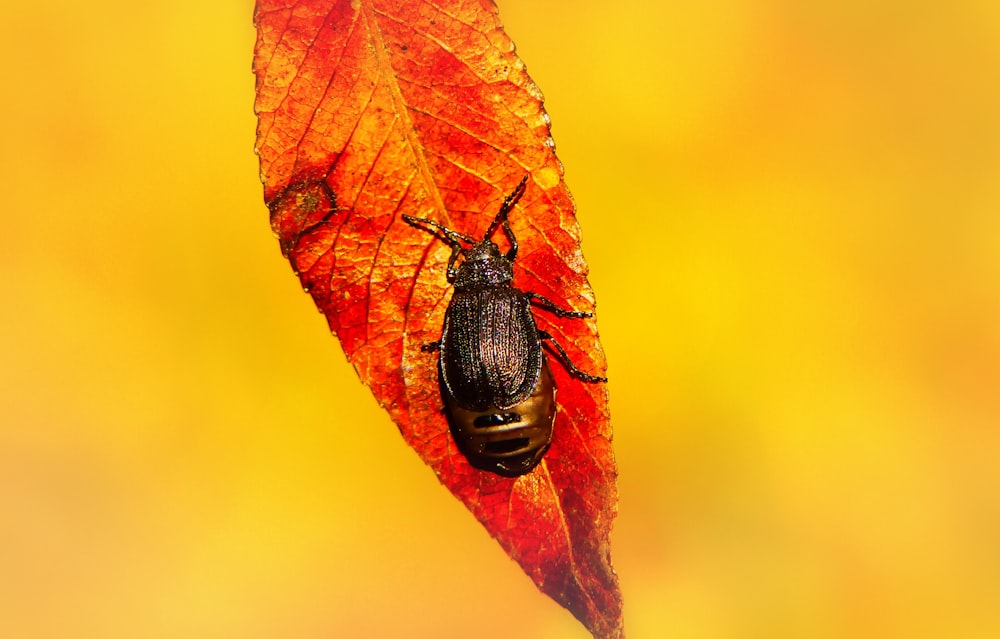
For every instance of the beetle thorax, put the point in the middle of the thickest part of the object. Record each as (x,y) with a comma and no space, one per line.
(484,266)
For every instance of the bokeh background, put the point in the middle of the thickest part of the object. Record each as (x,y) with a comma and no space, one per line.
(792,215)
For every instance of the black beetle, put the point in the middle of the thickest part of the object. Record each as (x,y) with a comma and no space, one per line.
(497,388)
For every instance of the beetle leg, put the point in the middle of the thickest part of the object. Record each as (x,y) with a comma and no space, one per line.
(512,253)
(573,370)
(430,347)
(549,306)
(456,250)
(453,239)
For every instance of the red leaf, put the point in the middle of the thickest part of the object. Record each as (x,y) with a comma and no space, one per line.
(373,109)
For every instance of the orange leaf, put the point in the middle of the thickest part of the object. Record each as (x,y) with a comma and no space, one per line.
(369,110)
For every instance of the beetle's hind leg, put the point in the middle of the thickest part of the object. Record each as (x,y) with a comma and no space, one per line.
(430,347)
(549,306)
(568,363)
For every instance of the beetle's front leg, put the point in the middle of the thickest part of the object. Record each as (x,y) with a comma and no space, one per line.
(512,253)
(538,300)
(568,363)
(453,239)
(456,250)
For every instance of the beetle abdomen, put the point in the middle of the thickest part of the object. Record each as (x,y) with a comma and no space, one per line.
(509,442)
(489,349)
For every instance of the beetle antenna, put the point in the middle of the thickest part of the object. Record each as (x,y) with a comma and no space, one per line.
(508,204)
(450,237)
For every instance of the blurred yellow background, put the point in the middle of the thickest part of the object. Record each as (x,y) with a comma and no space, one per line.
(792,215)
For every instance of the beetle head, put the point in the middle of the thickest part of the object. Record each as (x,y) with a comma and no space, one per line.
(484,266)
